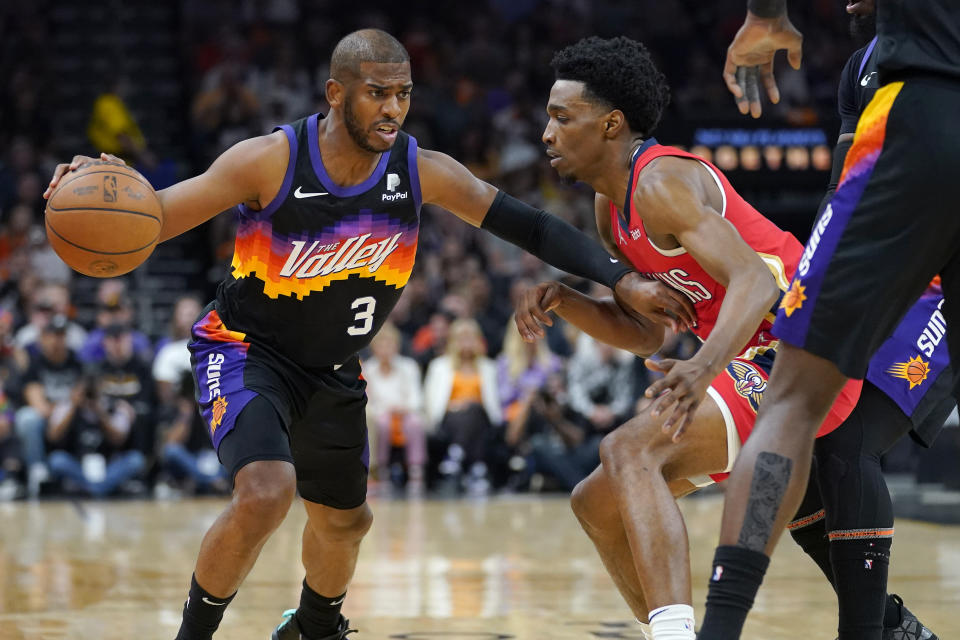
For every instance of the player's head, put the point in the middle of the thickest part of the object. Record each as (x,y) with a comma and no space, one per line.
(863,20)
(370,84)
(606,89)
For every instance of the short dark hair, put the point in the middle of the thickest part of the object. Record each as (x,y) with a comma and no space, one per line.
(365,45)
(619,73)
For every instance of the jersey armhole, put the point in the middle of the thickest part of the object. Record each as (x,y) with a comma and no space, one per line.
(284,191)
(414,171)
(716,179)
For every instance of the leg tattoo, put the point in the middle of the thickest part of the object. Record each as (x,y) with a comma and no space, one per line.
(771,475)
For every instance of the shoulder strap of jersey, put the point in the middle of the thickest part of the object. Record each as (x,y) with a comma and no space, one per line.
(866,56)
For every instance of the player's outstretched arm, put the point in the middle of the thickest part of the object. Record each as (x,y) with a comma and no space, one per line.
(603,319)
(447,183)
(676,199)
(766,30)
(249,172)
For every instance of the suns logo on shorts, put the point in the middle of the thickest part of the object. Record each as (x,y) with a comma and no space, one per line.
(794,298)
(913,371)
(748,381)
(218,410)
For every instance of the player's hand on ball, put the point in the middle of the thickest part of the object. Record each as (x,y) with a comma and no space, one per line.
(534,307)
(750,59)
(656,301)
(681,389)
(65,168)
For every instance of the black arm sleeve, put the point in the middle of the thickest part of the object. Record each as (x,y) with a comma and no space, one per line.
(551,239)
(839,156)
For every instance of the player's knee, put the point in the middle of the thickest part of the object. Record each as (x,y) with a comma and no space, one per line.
(630,445)
(341,525)
(596,513)
(262,496)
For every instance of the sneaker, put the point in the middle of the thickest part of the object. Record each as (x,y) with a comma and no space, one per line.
(909,628)
(290,630)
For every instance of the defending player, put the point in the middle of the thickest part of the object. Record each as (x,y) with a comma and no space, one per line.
(892,226)
(329,217)
(674,217)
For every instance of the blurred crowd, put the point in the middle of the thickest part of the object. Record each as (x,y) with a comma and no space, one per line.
(457,401)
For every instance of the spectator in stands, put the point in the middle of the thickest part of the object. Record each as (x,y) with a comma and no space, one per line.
(522,370)
(226,113)
(600,382)
(556,441)
(462,401)
(52,299)
(125,378)
(97,438)
(173,358)
(395,406)
(112,127)
(114,307)
(50,385)
(11,461)
(186,454)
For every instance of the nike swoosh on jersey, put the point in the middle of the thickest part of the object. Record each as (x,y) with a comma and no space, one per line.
(300,194)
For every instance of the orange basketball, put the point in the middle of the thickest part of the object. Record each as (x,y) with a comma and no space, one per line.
(104,219)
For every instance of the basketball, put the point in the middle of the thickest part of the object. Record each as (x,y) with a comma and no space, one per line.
(104,219)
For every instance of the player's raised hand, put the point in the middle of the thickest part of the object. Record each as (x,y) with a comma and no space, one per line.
(73,165)
(750,59)
(656,301)
(533,309)
(678,393)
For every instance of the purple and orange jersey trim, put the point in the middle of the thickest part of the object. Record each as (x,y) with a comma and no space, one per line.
(796,308)
(219,357)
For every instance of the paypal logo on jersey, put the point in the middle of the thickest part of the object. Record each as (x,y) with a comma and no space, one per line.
(393,181)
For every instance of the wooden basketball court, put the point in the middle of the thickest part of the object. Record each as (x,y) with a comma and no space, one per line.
(495,569)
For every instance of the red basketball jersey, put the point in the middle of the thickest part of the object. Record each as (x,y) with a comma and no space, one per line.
(676,268)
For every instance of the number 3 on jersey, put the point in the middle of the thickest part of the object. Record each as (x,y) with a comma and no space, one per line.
(365,317)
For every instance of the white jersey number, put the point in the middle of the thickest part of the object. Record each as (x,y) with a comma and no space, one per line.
(364,317)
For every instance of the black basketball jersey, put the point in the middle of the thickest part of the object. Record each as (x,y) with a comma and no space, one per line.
(316,272)
(858,84)
(918,37)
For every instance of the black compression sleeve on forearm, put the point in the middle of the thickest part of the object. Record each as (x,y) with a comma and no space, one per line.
(554,241)
(767,8)
(839,156)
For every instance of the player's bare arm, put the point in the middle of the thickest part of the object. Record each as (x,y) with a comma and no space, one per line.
(602,319)
(680,202)
(448,184)
(249,172)
(766,30)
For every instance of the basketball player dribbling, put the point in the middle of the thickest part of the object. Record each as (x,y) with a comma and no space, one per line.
(329,217)
(892,227)
(674,217)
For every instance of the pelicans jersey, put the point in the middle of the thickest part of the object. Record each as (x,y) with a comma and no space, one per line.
(316,272)
(779,250)
(739,389)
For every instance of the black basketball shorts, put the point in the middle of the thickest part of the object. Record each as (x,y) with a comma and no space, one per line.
(892,225)
(319,418)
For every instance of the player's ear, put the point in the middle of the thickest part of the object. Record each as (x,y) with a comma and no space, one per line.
(335,92)
(613,122)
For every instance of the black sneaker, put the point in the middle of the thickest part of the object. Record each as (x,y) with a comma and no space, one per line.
(909,628)
(290,630)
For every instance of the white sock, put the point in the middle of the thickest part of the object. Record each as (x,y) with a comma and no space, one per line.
(672,622)
(645,630)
